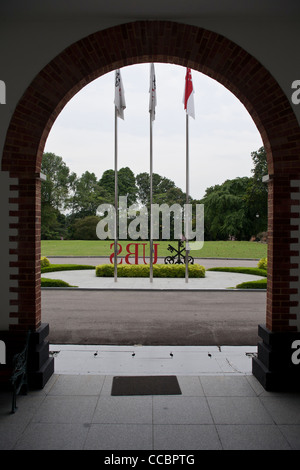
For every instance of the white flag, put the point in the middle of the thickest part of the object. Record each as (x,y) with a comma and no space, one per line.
(152,91)
(188,98)
(119,95)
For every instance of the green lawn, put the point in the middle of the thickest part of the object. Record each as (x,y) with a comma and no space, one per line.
(220,249)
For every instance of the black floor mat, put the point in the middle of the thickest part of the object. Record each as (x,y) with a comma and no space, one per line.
(145,385)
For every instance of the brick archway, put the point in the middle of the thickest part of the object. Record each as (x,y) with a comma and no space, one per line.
(157,41)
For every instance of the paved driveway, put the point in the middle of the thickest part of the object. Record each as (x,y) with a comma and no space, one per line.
(127,317)
(162,318)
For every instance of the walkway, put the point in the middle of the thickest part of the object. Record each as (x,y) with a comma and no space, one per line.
(221,406)
(213,280)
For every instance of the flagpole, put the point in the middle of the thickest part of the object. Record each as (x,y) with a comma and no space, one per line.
(116,199)
(187,170)
(119,112)
(152,104)
(151,196)
(189,107)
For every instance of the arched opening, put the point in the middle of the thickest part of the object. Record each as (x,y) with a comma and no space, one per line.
(221,139)
(155,41)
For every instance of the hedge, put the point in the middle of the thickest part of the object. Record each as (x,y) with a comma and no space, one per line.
(241,270)
(261,284)
(65,267)
(159,270)
(54,283)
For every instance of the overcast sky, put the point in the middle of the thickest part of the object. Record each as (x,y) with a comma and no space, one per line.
(221,138)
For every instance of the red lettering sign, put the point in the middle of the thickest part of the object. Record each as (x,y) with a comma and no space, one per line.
(135,252)
(113,254)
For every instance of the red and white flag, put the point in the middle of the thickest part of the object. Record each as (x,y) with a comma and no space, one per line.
(119,95)
(152,91)
(188,98)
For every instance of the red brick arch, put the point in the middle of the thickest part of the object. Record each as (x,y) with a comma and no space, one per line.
(152,41)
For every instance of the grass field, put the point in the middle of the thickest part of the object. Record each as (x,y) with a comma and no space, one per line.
(219,249)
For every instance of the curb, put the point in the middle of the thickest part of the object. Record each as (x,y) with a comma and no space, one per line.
(149,290)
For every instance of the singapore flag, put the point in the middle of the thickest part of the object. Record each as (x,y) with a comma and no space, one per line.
(188,98)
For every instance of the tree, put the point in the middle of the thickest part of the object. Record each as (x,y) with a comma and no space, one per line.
(55,190)
(171,196)
(226,210)
(85,228)
(87,196)
(126,184)
(107,182)
(160,185)
(238,207)
(164,192)
(54,195)
(51,227)
(257,191)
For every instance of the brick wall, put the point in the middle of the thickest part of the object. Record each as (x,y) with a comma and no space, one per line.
(157,41)
(294,306)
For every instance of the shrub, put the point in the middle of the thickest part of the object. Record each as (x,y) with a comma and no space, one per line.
(44,262)
(263,237)
(65,267)
(241,270)
(159,270)
(263,263)
(54,283)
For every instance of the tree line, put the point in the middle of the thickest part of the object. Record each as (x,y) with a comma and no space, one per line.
(237,208)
